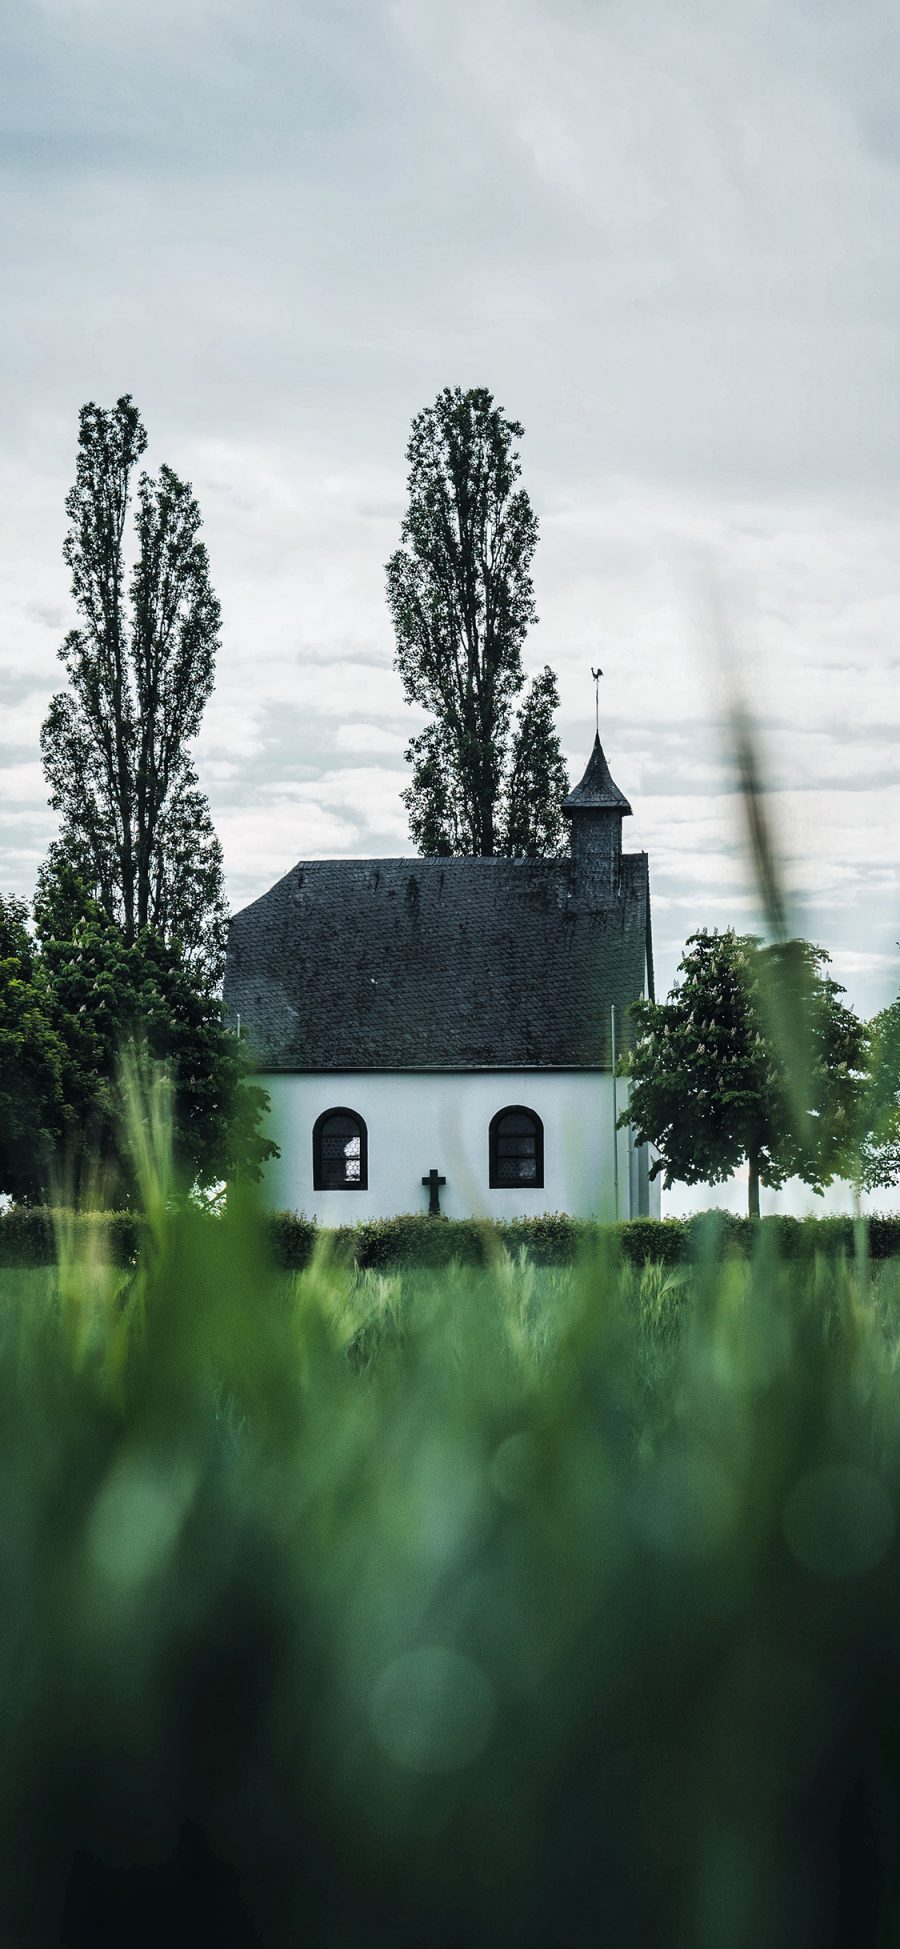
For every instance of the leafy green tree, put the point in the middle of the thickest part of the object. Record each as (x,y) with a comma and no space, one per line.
(31,1063)
(461,600)
(116,743)
(105,996)
(879,1165)
(820,1058)
(754,1060)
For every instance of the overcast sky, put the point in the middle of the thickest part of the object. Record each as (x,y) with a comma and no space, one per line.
(663,233)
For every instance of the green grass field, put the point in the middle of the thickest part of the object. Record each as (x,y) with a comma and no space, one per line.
(514,1606)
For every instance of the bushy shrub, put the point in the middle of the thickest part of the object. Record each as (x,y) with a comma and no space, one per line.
(292,1239)
(553,1239)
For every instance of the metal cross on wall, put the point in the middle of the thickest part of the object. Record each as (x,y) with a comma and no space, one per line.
(432,1185)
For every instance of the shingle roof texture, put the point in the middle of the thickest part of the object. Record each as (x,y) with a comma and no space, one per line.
(436,964)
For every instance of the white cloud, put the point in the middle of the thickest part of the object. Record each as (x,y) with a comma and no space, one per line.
(664,236)
(363,737)
(23,784)
(21,723)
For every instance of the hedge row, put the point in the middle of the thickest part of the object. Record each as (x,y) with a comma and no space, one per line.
(556,1239)
(34,1236)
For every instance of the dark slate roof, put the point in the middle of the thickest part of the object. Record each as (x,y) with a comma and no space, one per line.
(435,964)
(597,790)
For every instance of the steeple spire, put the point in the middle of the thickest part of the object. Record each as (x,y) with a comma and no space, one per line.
(597,791)
(596,808)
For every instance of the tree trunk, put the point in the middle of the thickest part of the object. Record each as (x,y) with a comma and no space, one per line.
(753,1188)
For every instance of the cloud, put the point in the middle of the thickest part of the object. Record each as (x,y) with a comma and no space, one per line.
(22,783)
(365,737)
(666,238)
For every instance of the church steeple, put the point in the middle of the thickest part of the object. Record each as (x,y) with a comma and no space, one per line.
(596,809)
(597,791)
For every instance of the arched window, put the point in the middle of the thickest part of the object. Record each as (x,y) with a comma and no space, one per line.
(516,1147)
(340,1152)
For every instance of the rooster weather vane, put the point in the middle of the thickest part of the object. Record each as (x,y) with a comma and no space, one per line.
(596,674)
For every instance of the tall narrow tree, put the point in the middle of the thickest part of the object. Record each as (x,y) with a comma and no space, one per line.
(116,743)
(462,600)
(537,782)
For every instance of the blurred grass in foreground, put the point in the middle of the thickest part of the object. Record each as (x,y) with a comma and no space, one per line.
(521,1606)
(504,1606)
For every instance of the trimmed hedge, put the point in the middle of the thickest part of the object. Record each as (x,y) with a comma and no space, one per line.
(556,1239)
(292,1238)
(30,1236)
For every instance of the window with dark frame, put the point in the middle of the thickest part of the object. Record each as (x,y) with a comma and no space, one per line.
(516,1148)
(340,1152)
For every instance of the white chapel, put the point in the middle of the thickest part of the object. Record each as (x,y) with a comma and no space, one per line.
(441,1034)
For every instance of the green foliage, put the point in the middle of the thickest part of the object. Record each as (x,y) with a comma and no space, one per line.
(31,1061)
(533,826)
(417,1240)
(34,1235)
(70,1009)
(461,600)
(753,1059)
(134,823)
(106,996)
(818,1058)
(29,1236)
(880,1142)
(291,1239)
(698,1070)
(556,1239)
(498,1604)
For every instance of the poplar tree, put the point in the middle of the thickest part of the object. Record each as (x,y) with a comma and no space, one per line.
(537,780)
(461,599)
(116,743)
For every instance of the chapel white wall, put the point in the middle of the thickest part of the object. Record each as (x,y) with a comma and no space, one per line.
(418,1121)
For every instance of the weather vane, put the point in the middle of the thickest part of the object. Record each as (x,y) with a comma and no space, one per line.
(597,674)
